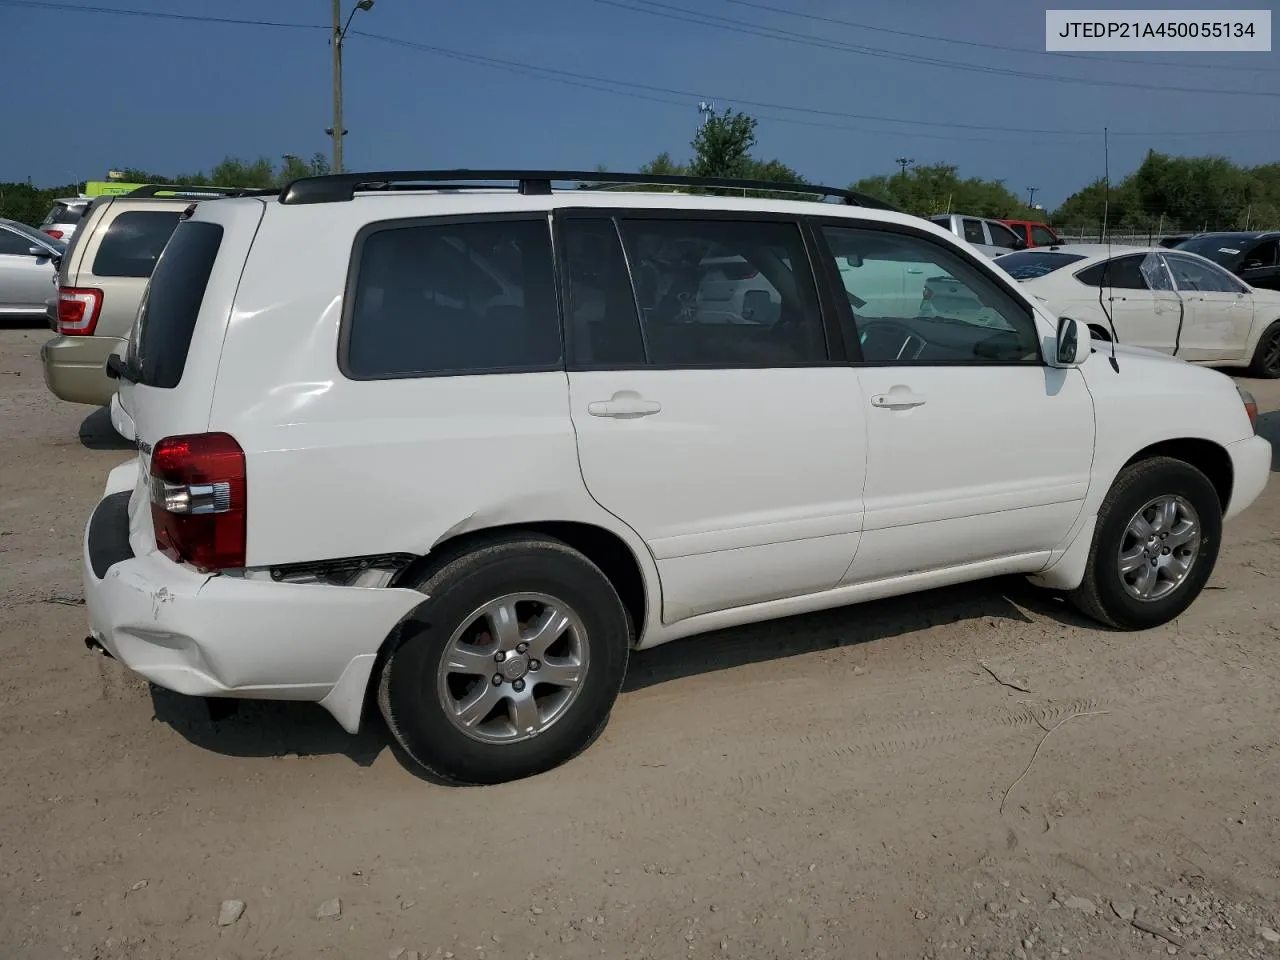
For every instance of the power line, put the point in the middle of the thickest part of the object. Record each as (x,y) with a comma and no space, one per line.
(997,46)
(652,92)
(156,14)
(684,15)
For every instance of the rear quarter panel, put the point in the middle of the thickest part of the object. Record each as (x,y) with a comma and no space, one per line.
(341,468)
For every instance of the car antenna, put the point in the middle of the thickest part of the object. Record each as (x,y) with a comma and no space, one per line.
(1106,236)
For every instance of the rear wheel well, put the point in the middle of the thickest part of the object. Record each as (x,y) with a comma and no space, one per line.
(603,548)
(1205,455)
(1099,332)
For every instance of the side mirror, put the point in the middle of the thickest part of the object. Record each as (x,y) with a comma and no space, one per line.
(41,252)
(854,260)
(1072,346)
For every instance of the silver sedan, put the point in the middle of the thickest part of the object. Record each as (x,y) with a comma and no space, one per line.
(28,270)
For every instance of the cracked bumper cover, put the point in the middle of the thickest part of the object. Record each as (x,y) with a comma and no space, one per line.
(227,636)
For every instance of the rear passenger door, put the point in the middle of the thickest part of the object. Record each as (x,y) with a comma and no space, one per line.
(734,449)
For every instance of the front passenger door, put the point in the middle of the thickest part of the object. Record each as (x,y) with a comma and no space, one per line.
(977,452)
(1217,312)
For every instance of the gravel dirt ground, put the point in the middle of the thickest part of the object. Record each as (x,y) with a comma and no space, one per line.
(827,786)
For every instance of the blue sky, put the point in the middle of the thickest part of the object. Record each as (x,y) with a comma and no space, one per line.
(169,95)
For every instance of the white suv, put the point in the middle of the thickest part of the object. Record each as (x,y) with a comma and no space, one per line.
(459,451)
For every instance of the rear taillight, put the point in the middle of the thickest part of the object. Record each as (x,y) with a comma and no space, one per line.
(78,310)
(198,495)
(56,234)
(1250,406)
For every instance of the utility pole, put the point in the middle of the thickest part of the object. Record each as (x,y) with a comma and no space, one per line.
(337,131)
(1031,197)
(705,112)
(904,162)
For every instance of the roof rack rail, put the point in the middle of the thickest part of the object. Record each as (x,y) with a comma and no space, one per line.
(337,187)
(198,191)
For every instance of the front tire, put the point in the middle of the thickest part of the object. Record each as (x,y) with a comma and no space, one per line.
(1266,356)
(510,666)
(1154,546)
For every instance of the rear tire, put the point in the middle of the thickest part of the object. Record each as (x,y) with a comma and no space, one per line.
(511,664)
(1154,546)
(1266,356)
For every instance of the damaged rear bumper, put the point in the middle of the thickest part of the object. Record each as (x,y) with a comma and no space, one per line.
(227,636)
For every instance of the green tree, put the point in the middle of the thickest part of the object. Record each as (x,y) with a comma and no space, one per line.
(722,149)
(938,188)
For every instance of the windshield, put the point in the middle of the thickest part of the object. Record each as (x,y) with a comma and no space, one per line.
(1029,264)
(41,239)
(1223,249)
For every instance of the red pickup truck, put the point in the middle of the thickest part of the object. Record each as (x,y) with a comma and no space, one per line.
(1036,234)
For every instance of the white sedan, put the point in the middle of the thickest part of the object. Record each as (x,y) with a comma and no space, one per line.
(1172,301)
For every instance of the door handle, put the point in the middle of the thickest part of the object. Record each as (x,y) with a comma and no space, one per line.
(624,405)
(897,401)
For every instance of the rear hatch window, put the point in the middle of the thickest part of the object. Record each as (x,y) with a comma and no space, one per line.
(64,214)
(167,316)
(1029,264)
(133,241)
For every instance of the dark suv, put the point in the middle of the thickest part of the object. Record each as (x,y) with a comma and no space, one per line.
(1251,256)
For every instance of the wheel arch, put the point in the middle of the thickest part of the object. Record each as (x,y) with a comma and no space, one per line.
(1211,459)
(1208,457)
(603,547)
(606,549)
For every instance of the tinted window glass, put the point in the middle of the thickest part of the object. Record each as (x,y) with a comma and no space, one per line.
(457,298)
(722,293)
(1261,255)
(973,231)
(38,237)
(171,303)
(14,243)
(1002,236)
(62,213)
(1202,277)
(133,242)
(600,306)
(1042,236)
(1029,264)
(1122,273)
(915,301)
(1223,248)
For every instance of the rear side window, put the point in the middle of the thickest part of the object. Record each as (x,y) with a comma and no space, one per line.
(132,244)
(973,231)
(453,298)
(1122,273)
(167,317)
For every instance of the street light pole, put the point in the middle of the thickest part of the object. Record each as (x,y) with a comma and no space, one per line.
(339,34)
